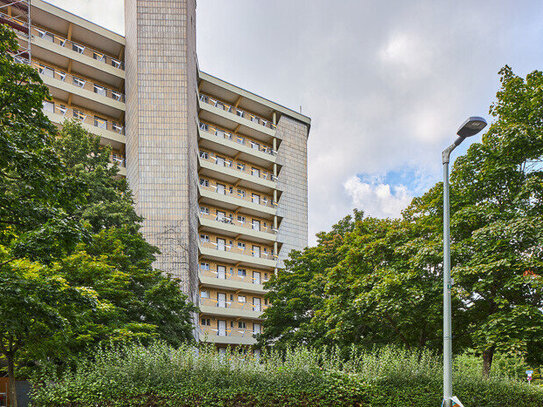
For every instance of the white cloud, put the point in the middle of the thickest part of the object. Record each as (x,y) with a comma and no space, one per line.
(377,199)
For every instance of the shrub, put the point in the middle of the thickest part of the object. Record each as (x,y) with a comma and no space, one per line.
(159,375)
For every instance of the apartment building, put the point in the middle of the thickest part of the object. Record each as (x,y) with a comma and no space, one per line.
(218,173)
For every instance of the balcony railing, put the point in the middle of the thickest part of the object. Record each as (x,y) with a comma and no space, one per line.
(231,276)
(242,306)
(77,81)
(223,134)
(118,159)
(269,203)
(83,117)
(237,111)
(79,48)
(237,250)
(231,332)
(234,222)
(239,166)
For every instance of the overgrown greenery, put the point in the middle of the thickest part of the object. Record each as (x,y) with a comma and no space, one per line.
(160,375)
(373,281)
(75,269)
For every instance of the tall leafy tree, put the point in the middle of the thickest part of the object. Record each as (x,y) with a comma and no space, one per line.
(498,223)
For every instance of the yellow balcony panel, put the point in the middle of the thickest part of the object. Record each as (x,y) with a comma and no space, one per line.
(231,336)
(230,255)
(233,202)
(227,144)
(83,97)
(117,138)
(209,279)
(231,121)
(233,176)
(232,228)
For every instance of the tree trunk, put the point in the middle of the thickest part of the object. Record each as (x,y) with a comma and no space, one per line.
(488,354)
(12,391)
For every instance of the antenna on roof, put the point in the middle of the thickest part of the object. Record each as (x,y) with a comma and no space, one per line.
(300,108)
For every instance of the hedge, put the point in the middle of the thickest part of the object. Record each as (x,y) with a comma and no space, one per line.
(162,376)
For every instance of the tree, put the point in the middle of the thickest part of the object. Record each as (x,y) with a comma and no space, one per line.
(498,221)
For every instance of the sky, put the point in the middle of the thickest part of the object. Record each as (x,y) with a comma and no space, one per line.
(386,83)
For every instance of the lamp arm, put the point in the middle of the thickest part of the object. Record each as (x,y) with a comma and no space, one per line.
(446,154)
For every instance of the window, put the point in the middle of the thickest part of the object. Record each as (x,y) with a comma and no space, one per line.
(263,122)
(240,140)
(78,81)
(204,210)
(255,146)
(241,166)
(78,48)
(220,161)
(206,322)
(117,127)
(204,154)
(98,56)
(48,106)
(256,224)
(256,304)
(241,193)
(242,299)
(116,63)
(255,119)
(256,277)
(204,238)
(242,273)
(204,266)
(117,95)
(221,272)
(220,216)
(203,98)
(46,71)
(256,251)
(219,133)
(242,324)
(256,328)
(265,301)
(221,328)
(221,300)
(241,219)
(255,172)
(221,189)
(220,105)
(240,113)
(78,114)
(241,246)
(204,182)
(204,126)
(99,122)
(255,198)
(204,294)
(99,90)
(221,244)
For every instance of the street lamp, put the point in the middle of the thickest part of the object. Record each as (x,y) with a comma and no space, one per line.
(469,128)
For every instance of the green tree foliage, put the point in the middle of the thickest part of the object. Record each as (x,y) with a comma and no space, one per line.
(75,269)
(382,282)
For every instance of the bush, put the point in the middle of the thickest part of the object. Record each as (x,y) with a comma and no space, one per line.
(160,375)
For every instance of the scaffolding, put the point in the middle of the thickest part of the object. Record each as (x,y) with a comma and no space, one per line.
(16,14)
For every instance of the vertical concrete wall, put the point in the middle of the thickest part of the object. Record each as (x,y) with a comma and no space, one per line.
(161,145)
(292,155)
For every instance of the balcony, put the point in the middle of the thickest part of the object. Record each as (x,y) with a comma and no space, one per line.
(231,227)
(229,253)
(232,309)
(83,92)
(218,196)
(238,173)
(81,49)
(81,83)
(231,281)
(231,336)
(232,118)
(233,144)
(58,113)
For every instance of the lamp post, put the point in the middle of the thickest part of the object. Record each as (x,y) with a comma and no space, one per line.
(469,128)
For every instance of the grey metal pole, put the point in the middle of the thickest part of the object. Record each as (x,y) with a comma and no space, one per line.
(447,317)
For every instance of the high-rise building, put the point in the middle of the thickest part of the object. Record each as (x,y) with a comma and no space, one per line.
(218,173)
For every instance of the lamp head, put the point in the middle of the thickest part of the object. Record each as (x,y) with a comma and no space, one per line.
(471,127)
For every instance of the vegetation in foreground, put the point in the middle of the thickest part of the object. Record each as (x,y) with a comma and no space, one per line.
(160,375)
